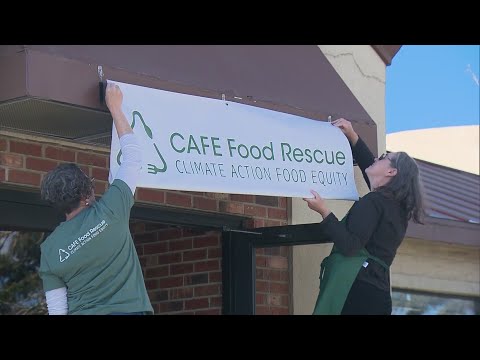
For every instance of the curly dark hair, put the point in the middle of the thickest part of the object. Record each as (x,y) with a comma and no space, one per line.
(65,186)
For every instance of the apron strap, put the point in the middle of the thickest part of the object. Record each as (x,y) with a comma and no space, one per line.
(377,260)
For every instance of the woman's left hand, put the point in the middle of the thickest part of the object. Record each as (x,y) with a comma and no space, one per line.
(317,204)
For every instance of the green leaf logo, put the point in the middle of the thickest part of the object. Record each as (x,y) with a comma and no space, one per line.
(152,168)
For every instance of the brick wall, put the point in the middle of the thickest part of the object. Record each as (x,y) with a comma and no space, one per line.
(272,285)
(182,266)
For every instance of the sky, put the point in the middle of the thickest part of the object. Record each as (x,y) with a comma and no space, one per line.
(432,86)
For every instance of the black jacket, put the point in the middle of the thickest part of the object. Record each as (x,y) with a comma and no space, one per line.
(374,222)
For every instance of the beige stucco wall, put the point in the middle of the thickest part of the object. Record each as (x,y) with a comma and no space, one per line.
(435,145)
(364,73)
(437,267)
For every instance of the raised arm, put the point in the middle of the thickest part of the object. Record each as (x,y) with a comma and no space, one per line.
(347,129)
(114,98)
(131,152)
(360,151)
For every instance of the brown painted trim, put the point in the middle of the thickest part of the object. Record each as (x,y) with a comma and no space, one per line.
(63,80)
(386,52)
(11,49)
(368,133)
(13,76)
(49,75)
(443,230)
(57,78)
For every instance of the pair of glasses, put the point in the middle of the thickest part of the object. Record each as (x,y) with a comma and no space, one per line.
(393,162)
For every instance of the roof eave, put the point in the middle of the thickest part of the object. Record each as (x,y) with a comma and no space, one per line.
(387,52)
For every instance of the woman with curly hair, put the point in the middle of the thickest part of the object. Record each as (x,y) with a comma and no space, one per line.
(89,264)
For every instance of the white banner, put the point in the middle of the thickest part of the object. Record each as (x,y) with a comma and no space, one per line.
(199,144)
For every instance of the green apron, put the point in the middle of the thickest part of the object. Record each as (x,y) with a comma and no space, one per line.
(337,274)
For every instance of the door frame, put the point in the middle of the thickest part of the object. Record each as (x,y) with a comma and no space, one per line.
(24,209)
(239,265)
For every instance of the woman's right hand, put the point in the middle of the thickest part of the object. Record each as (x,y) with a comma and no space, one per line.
(317,204)
(347,129)
(113,97)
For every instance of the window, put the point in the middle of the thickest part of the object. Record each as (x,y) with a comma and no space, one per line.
(21,290)
(416,303)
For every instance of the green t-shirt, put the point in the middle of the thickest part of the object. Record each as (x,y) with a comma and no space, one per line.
(93,255)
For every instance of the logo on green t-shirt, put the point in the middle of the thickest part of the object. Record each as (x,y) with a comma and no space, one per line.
(82,240)
(63,255)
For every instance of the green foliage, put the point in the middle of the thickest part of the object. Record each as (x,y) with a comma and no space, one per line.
(21,290)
